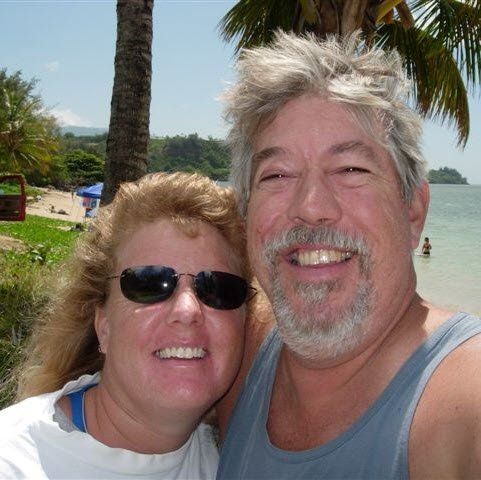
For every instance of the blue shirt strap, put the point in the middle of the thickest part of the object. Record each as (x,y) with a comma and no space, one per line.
(77,404)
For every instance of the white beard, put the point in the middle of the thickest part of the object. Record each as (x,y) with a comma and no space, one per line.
(318,330)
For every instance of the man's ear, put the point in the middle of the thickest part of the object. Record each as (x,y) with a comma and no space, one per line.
(102,328)
(418,209)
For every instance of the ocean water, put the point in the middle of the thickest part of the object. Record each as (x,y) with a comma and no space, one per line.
(451,277)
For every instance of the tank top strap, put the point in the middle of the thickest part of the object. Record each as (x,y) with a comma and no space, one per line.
(375,446)
(77,404)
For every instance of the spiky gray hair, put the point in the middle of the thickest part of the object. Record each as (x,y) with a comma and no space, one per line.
(370,82)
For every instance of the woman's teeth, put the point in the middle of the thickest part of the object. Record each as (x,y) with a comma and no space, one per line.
(181,352)
(319,257)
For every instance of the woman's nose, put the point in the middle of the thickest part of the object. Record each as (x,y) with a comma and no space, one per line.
(186,308)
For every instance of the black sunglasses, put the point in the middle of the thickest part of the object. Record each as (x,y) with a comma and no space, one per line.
(156,283)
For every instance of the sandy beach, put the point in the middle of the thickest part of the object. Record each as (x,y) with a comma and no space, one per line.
(62,202)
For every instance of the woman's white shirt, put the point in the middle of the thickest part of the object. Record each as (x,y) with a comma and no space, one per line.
(32,445)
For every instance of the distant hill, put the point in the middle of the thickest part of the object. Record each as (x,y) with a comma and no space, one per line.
(82,131)
(446,175)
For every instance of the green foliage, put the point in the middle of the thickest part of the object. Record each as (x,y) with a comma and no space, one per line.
(28,136)
(81,159)
(84,168)
(10,356)
(13,188)
(439,41)
(446,175)
(25,287)
(32,191)
(253,23)
(56,176)
(95,144)
(53,234)
(16,83)
(190,154)
(9,188)
(23,293)
(39,253)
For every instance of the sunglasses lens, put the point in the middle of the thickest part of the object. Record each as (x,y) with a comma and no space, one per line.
(221,290)
(149,284)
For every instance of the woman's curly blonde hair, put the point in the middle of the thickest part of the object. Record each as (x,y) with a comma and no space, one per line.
(64,343)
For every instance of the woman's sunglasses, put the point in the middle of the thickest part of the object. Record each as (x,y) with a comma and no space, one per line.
(156,283)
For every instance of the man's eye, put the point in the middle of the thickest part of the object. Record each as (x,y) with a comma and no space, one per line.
(272,176)
(354,170)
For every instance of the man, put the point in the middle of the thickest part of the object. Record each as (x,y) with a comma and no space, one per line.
(360,378)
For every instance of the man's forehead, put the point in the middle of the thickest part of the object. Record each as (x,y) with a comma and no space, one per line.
(357,146)
(266,153)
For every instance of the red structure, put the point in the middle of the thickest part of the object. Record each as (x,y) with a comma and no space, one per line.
(12,205)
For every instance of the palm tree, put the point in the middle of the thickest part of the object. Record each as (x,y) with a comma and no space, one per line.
(28,136)
(128,137)
(439,40)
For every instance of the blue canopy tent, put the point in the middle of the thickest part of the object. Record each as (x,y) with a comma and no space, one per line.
(91,198)
(94,191)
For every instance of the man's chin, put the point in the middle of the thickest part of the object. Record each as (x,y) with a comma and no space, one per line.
(323,329)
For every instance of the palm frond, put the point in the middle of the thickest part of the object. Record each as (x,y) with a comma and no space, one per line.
(405,15)
(386,7)
(457,24)
(439,89)
(250,22)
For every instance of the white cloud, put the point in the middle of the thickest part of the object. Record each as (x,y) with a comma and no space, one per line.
(67,117)
(52,66)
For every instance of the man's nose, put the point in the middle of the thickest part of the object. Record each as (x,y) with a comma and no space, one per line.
(314,202)
(186,308)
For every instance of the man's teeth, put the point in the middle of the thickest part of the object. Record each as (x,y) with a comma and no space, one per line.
(320,257)
(181,352)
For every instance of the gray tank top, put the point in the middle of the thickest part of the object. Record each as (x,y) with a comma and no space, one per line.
(374,447)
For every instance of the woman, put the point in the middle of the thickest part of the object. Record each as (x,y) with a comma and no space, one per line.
(156,303)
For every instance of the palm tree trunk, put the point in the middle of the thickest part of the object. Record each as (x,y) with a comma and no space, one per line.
(332,16)
(353,15)
(128,137)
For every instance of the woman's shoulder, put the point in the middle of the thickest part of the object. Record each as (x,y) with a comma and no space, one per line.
(18,422)
(20,416)
(19,419)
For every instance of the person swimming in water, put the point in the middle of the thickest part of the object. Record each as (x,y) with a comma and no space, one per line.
(426,248)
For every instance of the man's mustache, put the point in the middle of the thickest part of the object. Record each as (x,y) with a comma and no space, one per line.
(303,235)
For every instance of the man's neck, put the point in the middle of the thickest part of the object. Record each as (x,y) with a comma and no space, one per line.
(331,395)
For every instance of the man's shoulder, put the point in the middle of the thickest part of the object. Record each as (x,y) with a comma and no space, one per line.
(459,371)
(446,431)
(460,336)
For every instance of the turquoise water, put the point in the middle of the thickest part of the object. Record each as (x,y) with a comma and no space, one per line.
(452,276)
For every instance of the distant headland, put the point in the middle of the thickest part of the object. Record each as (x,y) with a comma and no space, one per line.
(446,175)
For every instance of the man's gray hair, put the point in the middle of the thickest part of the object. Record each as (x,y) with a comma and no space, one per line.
(370,82)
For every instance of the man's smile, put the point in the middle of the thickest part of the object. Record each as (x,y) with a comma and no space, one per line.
(319,257)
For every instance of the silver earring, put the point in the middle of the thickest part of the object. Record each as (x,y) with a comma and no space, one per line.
(100,348)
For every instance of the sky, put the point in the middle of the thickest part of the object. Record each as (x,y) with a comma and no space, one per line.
(69,46)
